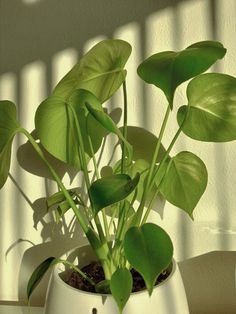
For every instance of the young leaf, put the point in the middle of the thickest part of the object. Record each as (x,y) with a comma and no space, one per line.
(169,69)
(89,126)
(38,274)
(8,128)
(110,126)
(112,189)
(185,181)
(100,71)
(149,250)
(121,286)
(211,112)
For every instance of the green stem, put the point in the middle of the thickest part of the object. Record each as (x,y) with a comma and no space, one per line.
(85,171)
(80,218)
(71,265)
(98,176)
(152,169)
(124,127)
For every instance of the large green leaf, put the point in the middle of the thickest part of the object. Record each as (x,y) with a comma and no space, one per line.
(169,69)
(121,286)
(149,250)
(211,112)
(55,127)
(8,128)
(112,189)
(100,71)
(185,181)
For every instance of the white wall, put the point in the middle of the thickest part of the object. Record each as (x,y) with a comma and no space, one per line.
(39,42)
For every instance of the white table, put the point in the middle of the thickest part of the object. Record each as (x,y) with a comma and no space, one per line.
(10,309)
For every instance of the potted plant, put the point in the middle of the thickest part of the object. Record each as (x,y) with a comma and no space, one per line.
(72,125)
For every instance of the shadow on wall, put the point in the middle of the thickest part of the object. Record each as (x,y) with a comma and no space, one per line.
(40,30)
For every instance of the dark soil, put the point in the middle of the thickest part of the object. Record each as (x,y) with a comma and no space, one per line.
(95,272)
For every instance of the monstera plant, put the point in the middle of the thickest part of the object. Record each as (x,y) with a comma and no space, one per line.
(72,124)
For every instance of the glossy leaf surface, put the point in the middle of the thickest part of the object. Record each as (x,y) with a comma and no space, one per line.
(121,286)
(112,189)
(8,128)
(149,250)
(169,69)
(100,71)
(211,112)
(185,181)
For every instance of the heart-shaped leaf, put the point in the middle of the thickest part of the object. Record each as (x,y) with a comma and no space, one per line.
(100,71)
(149,250)
(211,112)
(185,181)
(169,69)
(8,128)
(121,286)
(110,190)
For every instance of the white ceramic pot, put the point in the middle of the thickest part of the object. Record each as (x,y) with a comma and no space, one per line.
(167,298)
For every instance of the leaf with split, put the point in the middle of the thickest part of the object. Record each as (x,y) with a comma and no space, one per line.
(8,128)
(211,112)
(149,250)
(109,190)
(100,71)
(121,286)
(167,70)
(185,181)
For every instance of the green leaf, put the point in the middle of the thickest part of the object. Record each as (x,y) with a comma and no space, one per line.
(121,286)
(149,250)
(169,69)
(143,143)
(38,274)
(103,287)
(100,71)
(55,127)
(89,126)
(211,112)
(110,190)
(185,181)
(8,128)
(110,126)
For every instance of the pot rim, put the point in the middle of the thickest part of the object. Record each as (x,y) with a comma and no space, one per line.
(57,271)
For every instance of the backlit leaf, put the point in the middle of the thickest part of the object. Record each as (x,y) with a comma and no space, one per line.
(169,69)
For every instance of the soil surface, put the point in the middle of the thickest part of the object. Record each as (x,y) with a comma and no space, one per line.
(95,272)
